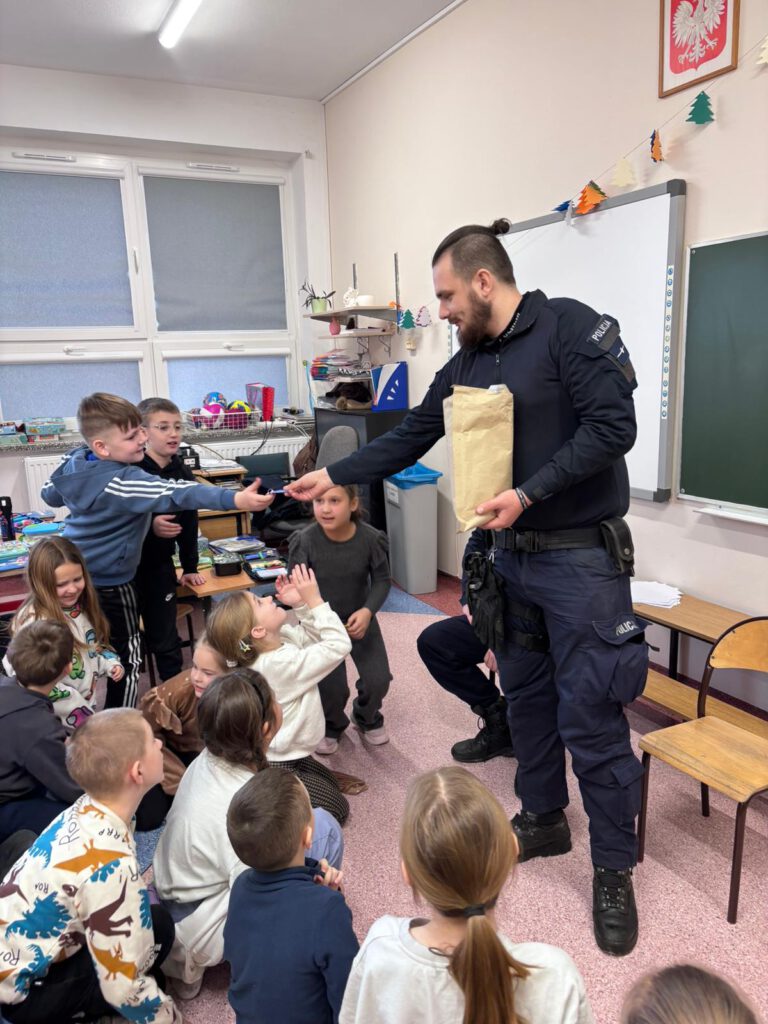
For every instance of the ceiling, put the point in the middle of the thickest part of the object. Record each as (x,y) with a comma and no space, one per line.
(298,48)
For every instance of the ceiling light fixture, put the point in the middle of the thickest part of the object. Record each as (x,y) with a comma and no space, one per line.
(176,20)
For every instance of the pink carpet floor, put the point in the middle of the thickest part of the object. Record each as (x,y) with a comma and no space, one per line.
(682,887)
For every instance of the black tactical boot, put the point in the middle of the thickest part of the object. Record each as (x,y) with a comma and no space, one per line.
(493,740)
(614,911)
(541,835)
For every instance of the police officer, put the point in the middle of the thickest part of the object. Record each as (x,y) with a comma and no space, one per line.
(556,549)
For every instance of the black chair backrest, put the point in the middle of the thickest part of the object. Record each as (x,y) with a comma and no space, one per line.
(271,464)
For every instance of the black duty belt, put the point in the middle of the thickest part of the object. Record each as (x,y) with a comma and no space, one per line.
(548,540)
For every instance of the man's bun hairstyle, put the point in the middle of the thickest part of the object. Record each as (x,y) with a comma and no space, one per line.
(476,247)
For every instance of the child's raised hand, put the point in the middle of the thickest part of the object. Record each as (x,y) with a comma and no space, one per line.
(249,499)
(304,580)
(116,672)
(287,592)
(358,622)
(329,876)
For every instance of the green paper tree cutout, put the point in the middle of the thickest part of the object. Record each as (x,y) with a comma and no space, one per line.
(701,110)
(406,321)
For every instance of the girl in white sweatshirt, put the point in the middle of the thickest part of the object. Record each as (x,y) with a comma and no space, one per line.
(251,631)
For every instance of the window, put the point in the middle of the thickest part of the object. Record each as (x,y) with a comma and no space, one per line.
(143,277)
(217,255)
(64,261)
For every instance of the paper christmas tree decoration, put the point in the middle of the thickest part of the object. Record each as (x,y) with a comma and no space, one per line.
(656,155)
(562,207)
(591,196)
(701,110)
(423,319)
(763,55)
(406,320)
(624,175)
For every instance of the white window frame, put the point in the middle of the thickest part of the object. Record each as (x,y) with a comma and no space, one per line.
(143,342)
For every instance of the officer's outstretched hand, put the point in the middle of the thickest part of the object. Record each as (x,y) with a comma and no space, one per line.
(249,499)
(309,486)
(505,509)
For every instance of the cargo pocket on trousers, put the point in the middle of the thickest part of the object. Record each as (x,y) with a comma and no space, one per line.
(626,633)
(628,775)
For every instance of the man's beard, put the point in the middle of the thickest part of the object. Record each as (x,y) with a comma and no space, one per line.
(475,328)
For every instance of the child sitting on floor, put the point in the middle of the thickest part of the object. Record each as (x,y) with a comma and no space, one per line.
(457,851)
(288,939)
(250,630)
(81,939)
(60,589)
(34,783)
(194,863)
(685,994)
(171,710)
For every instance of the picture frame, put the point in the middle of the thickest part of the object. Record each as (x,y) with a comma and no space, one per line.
(698,39)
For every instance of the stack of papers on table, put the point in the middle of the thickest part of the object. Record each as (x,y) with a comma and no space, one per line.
(660,595)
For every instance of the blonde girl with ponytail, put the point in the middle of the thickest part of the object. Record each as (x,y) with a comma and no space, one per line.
(457,851)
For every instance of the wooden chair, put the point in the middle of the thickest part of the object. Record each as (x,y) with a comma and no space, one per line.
(716,753)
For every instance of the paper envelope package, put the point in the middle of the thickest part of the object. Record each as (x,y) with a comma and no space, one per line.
(479,431)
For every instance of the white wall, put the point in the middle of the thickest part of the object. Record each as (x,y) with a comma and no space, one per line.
(508,107)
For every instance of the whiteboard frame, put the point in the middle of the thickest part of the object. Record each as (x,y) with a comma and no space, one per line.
(712,506)
(676,188)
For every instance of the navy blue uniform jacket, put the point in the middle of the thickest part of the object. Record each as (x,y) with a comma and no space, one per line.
(573,409)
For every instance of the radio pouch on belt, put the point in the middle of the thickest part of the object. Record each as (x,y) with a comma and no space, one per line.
(618,542)
(485,600)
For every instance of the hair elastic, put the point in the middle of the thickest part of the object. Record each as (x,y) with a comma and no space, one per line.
(478,910)
(231,664)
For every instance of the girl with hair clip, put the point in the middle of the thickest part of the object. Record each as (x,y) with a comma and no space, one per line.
(250,630)
(194,863)
(685,994)
(60,589)
(457,852)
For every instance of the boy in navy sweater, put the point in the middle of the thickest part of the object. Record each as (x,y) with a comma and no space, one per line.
(288,936)
(111,502)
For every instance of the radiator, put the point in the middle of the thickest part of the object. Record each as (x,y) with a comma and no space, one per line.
(254,446)
(37,469)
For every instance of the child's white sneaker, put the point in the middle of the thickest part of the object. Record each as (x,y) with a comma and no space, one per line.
(375,736)
(327,745)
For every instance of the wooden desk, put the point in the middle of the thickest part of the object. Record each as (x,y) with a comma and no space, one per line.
(217,523)
(215,585)
(692,617)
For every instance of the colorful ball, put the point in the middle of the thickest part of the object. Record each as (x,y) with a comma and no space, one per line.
(215,411)
(215,398)
(239,406)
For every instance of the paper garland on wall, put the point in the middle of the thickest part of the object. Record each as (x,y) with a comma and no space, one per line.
(624,174)
(701,110)
(591,196)
(763,56)
(656,155)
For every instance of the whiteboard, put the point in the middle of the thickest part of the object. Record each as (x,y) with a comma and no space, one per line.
(623,259)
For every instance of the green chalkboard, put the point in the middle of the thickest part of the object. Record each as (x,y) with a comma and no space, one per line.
(725,387)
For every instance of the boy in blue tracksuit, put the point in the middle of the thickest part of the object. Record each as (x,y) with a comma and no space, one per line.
(111,502)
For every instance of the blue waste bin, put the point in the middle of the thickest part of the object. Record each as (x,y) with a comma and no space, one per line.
(410,500)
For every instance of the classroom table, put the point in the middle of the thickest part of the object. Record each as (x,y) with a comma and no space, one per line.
(215,586)
(693,617)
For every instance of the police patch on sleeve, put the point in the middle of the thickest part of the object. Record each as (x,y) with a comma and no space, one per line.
(605,334)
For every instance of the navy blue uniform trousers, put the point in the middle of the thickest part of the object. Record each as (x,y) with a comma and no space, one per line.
(452,652)
(572,697)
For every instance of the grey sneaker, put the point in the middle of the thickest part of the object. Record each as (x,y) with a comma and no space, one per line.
(375,736)
(327,746)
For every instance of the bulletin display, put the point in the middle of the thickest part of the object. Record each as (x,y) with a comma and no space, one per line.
(724,454)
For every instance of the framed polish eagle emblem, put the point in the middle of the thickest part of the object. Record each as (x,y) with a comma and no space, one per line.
(698,39)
